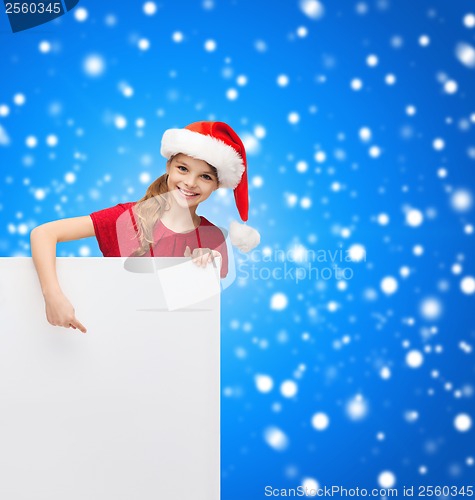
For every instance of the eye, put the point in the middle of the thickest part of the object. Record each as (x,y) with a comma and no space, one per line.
(207,177)
(181,167)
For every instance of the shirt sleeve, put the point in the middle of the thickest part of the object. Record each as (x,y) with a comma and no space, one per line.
(105,228)
(222,249)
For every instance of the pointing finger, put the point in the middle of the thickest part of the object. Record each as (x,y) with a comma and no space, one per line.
(77,324)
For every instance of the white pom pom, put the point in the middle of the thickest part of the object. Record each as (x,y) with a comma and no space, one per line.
(244,237)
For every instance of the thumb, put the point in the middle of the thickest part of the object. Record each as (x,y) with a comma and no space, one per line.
(187,251)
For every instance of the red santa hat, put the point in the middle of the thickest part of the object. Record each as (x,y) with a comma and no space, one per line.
(217,144)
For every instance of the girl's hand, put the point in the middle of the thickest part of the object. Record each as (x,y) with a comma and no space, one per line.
(60,312)
(202,256)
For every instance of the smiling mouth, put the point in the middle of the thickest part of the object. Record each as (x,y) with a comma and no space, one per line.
(187,194)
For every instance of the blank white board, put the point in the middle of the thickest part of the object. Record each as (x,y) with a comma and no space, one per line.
(129,410)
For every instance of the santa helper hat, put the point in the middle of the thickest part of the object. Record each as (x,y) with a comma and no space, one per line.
(217,144)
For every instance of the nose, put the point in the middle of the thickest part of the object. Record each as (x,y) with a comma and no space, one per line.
(190,181)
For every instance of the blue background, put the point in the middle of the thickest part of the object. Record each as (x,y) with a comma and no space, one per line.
(331,340)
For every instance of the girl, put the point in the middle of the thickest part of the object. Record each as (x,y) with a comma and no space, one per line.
(201,158)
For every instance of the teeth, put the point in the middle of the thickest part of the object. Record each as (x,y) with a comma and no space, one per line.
(186,192)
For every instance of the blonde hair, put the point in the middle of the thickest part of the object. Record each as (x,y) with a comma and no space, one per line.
(149,209)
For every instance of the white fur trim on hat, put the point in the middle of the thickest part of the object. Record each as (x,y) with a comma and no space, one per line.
(244,237)
(224,158)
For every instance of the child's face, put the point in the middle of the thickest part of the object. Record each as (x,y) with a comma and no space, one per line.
(190,180)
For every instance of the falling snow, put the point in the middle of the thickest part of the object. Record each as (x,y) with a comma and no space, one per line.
(320,421)
(357,332)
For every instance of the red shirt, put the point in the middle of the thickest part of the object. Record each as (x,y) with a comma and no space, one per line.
(117,236)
